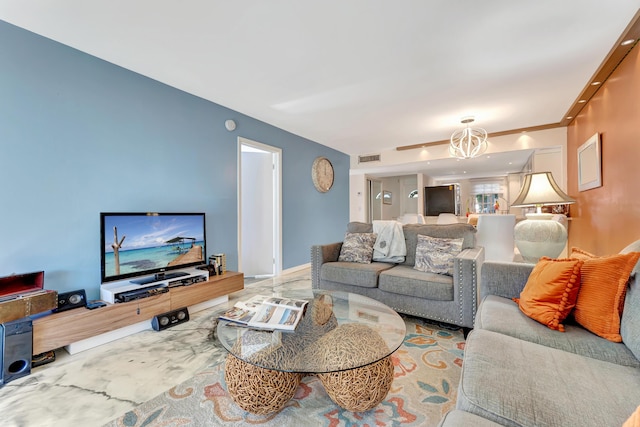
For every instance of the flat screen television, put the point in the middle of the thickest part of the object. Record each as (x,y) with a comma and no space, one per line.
(440,199)
(148,247)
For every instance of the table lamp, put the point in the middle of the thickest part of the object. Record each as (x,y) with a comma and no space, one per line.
(538,235)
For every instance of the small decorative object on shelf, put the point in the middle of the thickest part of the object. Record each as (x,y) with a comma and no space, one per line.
(218,263)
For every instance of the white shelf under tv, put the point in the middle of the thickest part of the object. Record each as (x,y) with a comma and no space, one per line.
(109,291)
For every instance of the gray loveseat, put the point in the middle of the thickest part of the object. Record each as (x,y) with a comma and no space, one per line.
(518,372)
(449,299)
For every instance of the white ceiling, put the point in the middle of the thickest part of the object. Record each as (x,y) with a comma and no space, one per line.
(359,76)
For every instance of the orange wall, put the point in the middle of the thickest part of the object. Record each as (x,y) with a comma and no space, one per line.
(606,219)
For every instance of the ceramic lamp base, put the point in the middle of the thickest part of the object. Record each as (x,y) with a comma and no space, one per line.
(539,236)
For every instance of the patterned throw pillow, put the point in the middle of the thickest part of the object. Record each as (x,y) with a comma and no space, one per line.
(358,247)
(435,255)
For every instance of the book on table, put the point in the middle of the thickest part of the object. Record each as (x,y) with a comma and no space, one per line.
(267,312)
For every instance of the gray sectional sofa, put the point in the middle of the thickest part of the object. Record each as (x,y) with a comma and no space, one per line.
(449,299)
(518,372)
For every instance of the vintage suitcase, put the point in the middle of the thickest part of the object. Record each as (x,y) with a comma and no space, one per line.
(22,295)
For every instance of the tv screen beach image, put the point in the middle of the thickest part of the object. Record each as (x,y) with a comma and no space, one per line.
(138,243)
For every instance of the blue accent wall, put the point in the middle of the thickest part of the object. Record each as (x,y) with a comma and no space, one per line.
(80,136)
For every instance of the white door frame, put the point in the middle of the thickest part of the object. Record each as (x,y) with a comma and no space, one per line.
(371,202)
(277,200)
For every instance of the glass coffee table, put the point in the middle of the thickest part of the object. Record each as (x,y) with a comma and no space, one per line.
(345,339)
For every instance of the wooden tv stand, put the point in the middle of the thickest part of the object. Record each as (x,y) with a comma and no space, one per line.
(60,329)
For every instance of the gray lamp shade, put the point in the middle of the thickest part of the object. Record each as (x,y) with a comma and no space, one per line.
(540,189)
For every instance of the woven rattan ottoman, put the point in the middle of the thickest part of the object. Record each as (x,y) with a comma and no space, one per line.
(345,339)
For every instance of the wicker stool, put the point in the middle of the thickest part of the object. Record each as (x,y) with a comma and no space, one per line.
(257,390)
(354,389)
(360,389)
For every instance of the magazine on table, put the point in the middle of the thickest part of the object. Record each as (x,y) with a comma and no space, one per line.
(267,312)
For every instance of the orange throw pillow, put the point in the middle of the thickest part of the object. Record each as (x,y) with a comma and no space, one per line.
(634,419)
(602,290)
(551,291)
(578,253)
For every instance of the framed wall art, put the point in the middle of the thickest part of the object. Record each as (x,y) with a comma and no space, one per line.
(386,197)
(590,164)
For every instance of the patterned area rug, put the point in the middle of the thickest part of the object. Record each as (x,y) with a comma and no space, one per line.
(427,370)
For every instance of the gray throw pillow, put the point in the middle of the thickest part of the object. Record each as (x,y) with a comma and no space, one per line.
(435,255)
(358,247)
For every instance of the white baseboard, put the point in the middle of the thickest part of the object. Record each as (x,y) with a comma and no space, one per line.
(86,344)
(296,268)
(208,304)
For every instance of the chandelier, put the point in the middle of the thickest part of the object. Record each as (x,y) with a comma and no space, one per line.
(468,142)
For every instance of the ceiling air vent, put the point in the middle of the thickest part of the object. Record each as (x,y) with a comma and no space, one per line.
(371,158)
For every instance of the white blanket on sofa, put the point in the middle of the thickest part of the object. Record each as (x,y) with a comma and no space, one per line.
(390,245)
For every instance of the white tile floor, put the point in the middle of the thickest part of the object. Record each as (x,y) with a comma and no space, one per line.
(93,387)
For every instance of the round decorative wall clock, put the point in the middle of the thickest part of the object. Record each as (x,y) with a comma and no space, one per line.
(322,174)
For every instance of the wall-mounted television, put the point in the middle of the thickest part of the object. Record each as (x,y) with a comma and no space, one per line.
(440,199)
(145,246)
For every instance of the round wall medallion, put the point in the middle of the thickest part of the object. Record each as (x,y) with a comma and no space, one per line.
(322,174)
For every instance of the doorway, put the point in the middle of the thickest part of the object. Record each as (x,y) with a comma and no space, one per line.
(259,209)
(375,200)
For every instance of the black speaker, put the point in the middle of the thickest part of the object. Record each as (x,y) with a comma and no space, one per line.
(16,346)
(69,300)
(169,319)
